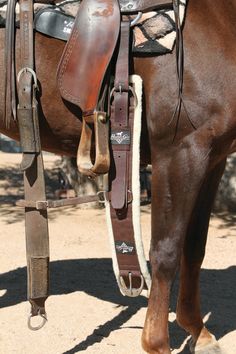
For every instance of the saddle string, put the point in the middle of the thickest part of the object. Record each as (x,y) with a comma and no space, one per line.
(179,70)
(9,66)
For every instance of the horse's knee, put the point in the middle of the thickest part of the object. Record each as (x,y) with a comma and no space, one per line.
(165,259)
(155,344)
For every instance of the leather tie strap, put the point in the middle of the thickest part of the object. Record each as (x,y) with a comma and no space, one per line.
(10,85)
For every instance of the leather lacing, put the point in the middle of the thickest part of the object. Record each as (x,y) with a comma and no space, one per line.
(179,70)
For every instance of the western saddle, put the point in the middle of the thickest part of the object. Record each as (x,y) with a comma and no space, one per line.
(94,74)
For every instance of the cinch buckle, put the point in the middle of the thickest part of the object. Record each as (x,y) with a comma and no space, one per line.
(131,89)
(131,292)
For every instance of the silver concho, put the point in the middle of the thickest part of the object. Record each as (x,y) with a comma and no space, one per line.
(120,138)
(124,247)
(127,5)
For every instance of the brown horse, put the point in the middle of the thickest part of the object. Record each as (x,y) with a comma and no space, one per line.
(188,155)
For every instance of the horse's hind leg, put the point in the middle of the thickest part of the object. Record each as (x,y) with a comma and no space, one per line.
(188,308)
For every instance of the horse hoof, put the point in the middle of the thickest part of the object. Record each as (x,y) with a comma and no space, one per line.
(212,348)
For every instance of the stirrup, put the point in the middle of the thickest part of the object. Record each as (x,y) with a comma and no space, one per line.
(101,165)
(131,292)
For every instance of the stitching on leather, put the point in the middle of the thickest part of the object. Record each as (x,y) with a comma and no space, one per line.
(65,62)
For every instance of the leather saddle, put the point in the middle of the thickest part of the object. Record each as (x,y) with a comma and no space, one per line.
(91,45)
(83,67)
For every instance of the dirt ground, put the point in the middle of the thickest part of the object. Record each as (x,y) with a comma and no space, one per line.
(85,310)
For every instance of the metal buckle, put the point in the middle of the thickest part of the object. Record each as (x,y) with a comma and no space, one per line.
(44,320)
(131,292)
(32,72)
(131,89)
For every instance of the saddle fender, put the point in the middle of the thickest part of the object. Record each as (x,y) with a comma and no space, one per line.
(88,52)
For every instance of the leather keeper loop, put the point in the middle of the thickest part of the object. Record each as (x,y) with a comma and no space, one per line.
(27,133)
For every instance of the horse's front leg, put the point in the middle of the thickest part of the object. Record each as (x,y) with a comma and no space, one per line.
(188,308)
(176,181)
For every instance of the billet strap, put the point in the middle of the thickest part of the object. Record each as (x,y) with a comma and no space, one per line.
(130,278)
(120,125)
(36,222)
(96,124)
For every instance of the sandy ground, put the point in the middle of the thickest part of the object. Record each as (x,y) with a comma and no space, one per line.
(85,310)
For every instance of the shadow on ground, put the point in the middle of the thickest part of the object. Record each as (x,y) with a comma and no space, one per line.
(228,220)
(95,277)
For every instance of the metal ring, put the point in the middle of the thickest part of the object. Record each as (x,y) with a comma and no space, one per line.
(28,70)
(36,328)
(136,19)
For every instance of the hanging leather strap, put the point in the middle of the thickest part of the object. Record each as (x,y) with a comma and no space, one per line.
(36,223)
(131,280)
(9,69)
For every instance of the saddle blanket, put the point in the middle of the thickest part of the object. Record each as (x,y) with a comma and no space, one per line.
(154,33)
